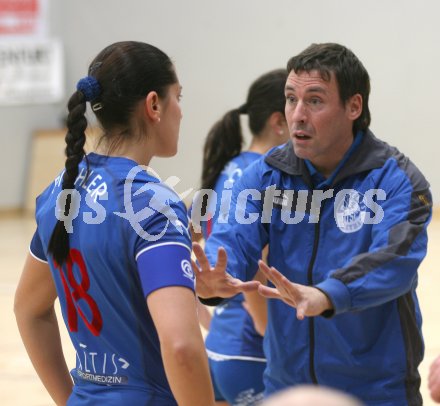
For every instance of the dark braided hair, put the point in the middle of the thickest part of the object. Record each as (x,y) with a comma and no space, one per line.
(75,140)
(225,139)
(120,76)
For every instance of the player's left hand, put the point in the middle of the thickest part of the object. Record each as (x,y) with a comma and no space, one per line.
(307,300)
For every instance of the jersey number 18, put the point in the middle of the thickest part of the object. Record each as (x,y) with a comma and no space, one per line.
(78,291)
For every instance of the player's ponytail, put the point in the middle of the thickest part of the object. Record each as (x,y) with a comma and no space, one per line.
(224,142)
(225,139)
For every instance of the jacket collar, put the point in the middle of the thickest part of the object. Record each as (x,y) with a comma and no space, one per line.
(370,154)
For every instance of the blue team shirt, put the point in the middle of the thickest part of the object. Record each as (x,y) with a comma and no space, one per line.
(130,238)
(232,334)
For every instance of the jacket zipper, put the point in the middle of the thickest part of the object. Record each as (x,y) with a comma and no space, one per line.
(310,282)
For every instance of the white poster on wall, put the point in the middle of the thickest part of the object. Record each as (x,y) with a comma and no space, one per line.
(31,72)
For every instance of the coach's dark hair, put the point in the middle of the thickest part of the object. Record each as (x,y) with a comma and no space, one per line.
(124,73)
(225,139)
(351,76)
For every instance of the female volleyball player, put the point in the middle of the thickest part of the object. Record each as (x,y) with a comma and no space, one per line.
(112,244)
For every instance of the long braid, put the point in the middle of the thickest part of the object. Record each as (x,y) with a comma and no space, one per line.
(75,140)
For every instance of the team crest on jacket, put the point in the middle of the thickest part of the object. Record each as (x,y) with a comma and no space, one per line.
(350,211)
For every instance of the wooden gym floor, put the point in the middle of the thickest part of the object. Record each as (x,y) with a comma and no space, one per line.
(19,385)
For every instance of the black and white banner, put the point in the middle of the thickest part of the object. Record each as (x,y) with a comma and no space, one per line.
(31,71)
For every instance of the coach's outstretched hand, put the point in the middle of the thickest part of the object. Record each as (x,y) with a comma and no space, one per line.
(215,281)
(307,300)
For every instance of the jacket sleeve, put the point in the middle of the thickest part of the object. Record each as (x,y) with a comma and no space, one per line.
(399,243)
(241,233)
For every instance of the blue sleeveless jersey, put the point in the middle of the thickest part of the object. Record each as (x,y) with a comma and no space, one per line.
(130,238)
(232,334)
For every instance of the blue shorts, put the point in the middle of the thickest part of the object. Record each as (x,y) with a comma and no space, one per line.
(239,382)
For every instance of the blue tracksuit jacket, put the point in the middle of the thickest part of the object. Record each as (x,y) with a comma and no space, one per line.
(360,239)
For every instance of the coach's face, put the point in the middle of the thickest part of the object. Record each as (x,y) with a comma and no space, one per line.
(320,125)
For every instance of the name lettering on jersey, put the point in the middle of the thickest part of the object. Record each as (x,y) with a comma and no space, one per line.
(97,189)
(91,183)
(58,181)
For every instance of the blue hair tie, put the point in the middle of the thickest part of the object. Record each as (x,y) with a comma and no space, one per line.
(90,87)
